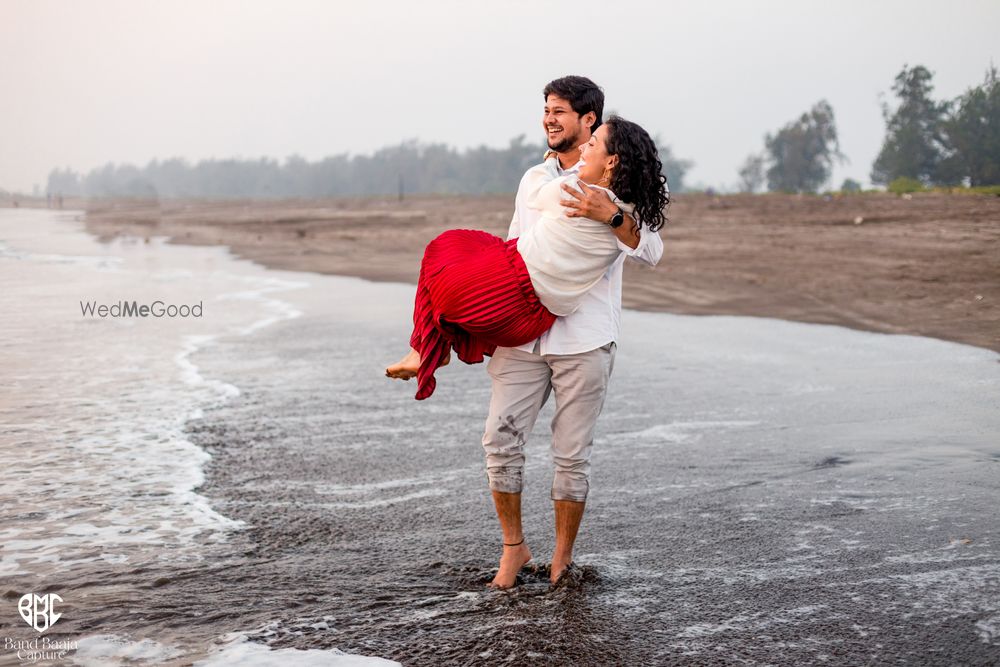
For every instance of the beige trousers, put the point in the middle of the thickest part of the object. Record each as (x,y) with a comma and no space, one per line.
(522,383)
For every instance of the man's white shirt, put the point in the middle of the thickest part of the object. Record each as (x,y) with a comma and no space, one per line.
(597,321)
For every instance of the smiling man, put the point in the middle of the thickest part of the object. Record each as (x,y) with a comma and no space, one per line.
(573,359)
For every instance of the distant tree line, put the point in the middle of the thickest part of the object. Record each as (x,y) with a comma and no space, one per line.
(941,142)
(928,142)
(410,167)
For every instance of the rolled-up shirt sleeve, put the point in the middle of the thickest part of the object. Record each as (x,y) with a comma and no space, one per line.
(650,248)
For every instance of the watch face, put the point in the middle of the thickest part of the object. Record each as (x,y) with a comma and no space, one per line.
(618,219)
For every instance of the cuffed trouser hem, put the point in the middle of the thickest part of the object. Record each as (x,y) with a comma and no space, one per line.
(581,499)
(576,490)
(505,480)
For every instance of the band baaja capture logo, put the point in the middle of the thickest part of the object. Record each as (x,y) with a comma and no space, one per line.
(39,611)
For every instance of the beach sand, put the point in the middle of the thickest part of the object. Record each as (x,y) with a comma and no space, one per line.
(927,265)
(763,491)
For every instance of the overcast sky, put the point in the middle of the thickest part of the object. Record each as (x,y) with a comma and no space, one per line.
(87,82)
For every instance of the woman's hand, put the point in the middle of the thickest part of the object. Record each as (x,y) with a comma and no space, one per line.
(592,203)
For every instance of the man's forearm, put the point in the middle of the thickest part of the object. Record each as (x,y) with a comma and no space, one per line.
(628,232)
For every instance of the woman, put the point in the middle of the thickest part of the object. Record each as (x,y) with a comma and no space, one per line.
(477,291)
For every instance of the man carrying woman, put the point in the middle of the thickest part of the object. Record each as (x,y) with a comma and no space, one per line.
(545,304)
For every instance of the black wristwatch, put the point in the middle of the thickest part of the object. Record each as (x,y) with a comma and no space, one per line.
(618,219)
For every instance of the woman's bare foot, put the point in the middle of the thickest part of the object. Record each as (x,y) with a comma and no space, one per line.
(511,562)
(405,368)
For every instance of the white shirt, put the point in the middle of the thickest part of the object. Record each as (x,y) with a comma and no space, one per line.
(597,320)
(565,257)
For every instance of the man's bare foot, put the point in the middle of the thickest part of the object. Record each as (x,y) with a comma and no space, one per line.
(559,565)
(511,562)
(405,368)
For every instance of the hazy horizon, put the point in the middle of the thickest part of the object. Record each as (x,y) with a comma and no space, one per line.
(128,82)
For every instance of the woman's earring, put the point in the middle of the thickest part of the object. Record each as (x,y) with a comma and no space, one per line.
(607,175)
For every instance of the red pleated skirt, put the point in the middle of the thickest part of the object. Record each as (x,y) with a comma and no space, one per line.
(473,295)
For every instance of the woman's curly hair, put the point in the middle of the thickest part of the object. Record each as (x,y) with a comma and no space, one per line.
(638,177)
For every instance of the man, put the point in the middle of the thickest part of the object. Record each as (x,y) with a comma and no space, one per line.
(573,359)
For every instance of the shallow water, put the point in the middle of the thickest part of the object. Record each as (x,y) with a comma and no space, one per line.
(98,501)
(763,492)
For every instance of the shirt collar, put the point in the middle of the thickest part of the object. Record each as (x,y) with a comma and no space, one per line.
(572,170)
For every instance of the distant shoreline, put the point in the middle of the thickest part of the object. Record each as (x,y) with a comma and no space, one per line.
(926,265)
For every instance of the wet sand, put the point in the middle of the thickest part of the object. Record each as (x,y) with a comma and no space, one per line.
(928,265)
(764,492)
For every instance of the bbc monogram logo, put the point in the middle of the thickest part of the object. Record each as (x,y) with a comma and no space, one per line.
(39,611)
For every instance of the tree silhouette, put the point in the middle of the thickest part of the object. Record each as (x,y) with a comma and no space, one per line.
(914,143)
(801,153)
(972,136)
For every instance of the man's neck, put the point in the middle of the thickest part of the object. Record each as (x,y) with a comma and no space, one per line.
(569,158)
(572,156)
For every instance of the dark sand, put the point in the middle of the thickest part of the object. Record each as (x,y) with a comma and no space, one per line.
(928,265)
(764,493)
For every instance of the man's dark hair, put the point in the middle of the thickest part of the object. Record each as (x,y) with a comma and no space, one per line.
(582,94)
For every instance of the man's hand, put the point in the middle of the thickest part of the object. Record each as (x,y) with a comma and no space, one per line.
(592,203)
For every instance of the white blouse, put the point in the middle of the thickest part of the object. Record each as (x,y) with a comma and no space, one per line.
(565,256)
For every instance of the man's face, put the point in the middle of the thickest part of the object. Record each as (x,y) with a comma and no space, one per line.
(564,128)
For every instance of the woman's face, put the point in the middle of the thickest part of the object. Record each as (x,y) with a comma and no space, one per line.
(596,160)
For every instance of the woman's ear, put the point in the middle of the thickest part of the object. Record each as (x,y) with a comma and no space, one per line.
(612,161)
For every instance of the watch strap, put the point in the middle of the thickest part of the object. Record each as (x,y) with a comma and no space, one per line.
(618,219)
